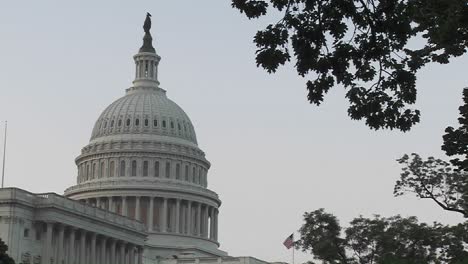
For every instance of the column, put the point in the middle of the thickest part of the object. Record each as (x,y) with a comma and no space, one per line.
(182,217)
(205,222)
(111,204)
(150,214)
(112,251)
(82,250)
(216,225)
(140,255)
(211,222)
(124,206)
(122,252)
(189,218)
(131,253)
(137,208)
(199,219)
(177,215)
(164,216)
(93,247)
(47,246)
(103,250)
(61,244)
(71,244)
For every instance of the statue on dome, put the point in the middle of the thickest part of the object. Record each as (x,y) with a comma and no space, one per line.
(147,24)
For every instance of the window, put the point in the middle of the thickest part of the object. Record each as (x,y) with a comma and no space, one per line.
(177,171)
(38,233)
(172,125)
(146,122)
(102,170)
(164,123)
(178,126)
(186,172)
(94,175)
(111,169)
(105,124)
(87,172)
(26,232)
(128,122)
(200,176)
(168,170)
(120,122)
(112,123)
(134,168)
(155,123)
(122,168)
(193,174)
(145,168)
(137,122)
(156,169)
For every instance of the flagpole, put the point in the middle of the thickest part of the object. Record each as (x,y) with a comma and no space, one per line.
(293,254)
(4,154)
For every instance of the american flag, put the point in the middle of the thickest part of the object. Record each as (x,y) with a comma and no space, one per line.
(289,242)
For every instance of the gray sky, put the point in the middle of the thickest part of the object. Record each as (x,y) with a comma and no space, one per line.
(273,155)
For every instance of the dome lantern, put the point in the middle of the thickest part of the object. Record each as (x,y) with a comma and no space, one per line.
(146,61)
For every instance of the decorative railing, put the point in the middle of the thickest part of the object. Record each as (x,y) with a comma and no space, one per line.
(55,200)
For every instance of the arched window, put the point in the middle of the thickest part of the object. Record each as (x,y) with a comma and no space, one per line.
(156,169)
(134,168)
(94,175)
(120,122)
(172,125)
(112,123)
(137,122)
(128,122)
(145,168)
(122,168)
(146,122)
(200,176)
(164,123)
(155,122)
(102,170)
(168,170)
(177,171)
(178,126)
(186,172)
(111,169)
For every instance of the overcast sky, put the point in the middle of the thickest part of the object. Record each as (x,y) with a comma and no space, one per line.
(274,156)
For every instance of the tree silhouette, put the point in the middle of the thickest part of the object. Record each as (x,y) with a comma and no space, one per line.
(4,258)
(362,45)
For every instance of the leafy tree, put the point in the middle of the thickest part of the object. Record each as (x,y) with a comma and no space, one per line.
(444,183)
(381,240)
(362,45)
(4,258)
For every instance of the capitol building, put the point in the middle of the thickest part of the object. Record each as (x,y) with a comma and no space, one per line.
(141,192)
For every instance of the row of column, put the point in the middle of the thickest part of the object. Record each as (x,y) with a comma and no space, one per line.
(161,214)
(142,167)
(69,245)
(147,69)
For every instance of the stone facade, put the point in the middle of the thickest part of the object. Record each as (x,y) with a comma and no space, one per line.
(49,228)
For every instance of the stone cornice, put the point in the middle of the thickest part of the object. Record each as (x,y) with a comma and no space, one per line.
(151,184)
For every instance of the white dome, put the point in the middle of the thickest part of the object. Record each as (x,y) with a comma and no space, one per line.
(146,112)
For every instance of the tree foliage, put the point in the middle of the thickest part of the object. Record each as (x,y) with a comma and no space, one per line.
(456,140)
(436,180)
(381,240)
(363,45)
(444,183)
(4,258)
